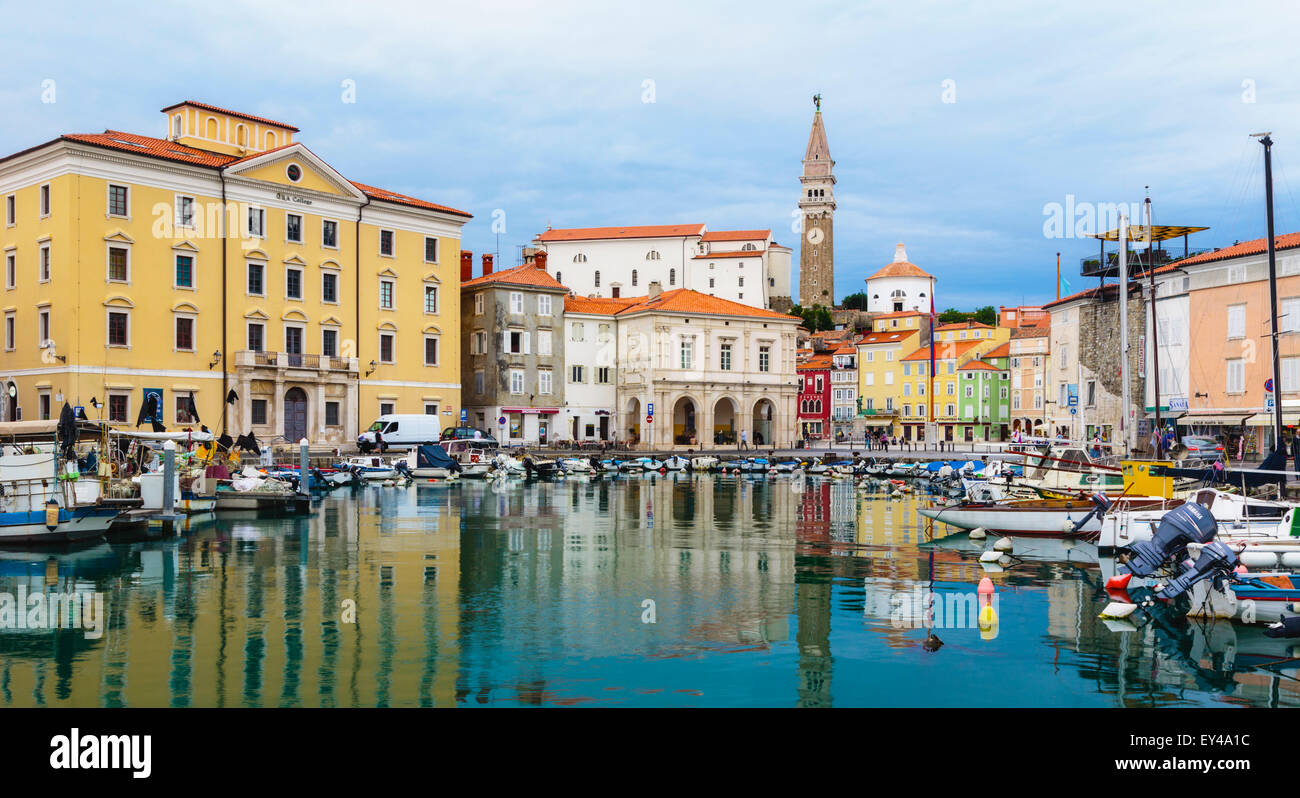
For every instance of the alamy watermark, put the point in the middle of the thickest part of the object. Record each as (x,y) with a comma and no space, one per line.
(922,608)
(51,610)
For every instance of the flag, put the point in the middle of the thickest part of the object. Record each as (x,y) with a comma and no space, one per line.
(1064,287)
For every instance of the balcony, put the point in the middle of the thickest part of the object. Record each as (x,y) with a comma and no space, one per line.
(1137,258)
(286,360)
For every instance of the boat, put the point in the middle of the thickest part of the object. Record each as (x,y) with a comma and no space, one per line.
(474,456)
(703,463)
(1239,518)
(431,461)
(369,467)
(579,466)
(676,463)
(1050,517)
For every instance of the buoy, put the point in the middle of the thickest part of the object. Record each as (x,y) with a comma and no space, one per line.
(985,587)
(978,533)
(1003,544)
(1240,569)
(990,556)
(1118,582)
(1067,526)
(1117,610)
(51,514)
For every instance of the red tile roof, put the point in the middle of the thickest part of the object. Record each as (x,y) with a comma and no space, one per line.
(1252,247)
(898,314)
(529,274)
(903,269)
(963,325)
(999,351)
(646,231)
(239,114)
(753,253)
(886,337)
(737,235)
(684,300)
(815,363)
(944,351)
(978,365)
(602,306)
(402,199)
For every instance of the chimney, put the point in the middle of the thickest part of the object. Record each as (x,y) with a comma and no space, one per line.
(487,264)
(466,265)
(539,260)
(656,288)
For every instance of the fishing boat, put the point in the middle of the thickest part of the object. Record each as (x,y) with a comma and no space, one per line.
(474,456)
(44,499)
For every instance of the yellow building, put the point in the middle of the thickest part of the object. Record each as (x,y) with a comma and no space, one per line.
(955,345)
(880,353)
(224,256)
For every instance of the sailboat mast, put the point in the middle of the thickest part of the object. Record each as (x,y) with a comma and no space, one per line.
(1267,141)
(1155,331)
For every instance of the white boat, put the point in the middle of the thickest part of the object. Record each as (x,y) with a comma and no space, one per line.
(37,507)
(703,462)
(1244,521)
(475,456)
(576,466)
(369,467)
(1049,517)
(676,463)
(645,464)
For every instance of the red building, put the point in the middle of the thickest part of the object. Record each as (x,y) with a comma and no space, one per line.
(814,397)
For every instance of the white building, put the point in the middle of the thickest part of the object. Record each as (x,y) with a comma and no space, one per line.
(744,266)
(900,286)
(591,351)
(844,389)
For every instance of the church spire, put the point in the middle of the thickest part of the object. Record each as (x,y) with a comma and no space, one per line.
(818,150)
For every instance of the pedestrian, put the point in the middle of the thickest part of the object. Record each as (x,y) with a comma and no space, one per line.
(744,439)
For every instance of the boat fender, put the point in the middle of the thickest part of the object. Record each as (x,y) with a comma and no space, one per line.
(1116,610)
(1004,544)
(990,556)
(51,514)
(978,533)
(985,587)
(1067,526)
(1118,582)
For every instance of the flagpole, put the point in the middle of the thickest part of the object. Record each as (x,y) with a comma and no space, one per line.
(1058,277)
(930,399)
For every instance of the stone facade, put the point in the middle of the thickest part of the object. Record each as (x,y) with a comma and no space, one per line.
(817,209)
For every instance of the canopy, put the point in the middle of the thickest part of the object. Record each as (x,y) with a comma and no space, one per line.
(1225,420)
(198,437)
(429,456)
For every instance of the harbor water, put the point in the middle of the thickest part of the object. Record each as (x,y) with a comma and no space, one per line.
(644,591)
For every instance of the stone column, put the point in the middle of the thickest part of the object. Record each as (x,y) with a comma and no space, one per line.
(279,404)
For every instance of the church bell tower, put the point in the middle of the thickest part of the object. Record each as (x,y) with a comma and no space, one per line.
(817,210)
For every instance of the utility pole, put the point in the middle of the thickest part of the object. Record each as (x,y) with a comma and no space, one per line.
(1267,141)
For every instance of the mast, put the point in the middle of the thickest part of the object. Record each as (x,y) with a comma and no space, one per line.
(1267,141)
(1123,330)
(1155,331)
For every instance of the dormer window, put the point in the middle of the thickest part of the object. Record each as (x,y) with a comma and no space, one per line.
(580,258)
(652,255)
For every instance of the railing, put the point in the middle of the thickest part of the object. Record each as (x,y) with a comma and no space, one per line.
(294,361)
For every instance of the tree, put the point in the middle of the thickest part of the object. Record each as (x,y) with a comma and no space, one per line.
(856,301)
(952,316)
(815,318)
(987,315)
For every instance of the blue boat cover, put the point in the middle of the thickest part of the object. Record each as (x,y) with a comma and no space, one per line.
(435,457)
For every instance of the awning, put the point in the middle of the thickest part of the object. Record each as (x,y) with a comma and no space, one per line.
(1165,415)
(1224,420)
(541,410)
(873,421)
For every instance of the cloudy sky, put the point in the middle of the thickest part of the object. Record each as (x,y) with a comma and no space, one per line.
(953,126)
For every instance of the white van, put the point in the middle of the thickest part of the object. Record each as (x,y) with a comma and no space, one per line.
(401,431)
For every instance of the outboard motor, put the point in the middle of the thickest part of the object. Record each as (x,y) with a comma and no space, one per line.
(1187,523)
(1217,561)
(402,468)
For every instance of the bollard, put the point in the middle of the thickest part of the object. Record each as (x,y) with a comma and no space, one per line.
(304,472)
(169,477)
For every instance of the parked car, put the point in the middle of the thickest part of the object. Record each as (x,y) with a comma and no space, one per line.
(466,434)
(1202,448)
(401,431)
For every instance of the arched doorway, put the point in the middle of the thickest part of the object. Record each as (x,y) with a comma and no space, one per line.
(724,422)
(684,429)
(11,402)
(764,414)
(295,415)
(632,425)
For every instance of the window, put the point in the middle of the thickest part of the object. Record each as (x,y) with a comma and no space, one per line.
(431,299)
(765,358)
(256,283)
(430,249)
(331,414)
(478,343)
(970,391)
(544,305)
(544,382)
(329,235)
(386,243)
(516,381)
(184,271)
(672,277)
(45,200)
(478,381)
(293,343)
(11,329)
(634,277)
(184,334)
(117,408)
(45,263)
(575,331)
(259,411)
(256,223)
(1236,321)
(329,287)
(1236,373)
(516,302)
(11,210)
(724,357)
(1092,393)
(710,282)
(11,270)
(43,330)
(117,204)
(119,328)
(577,374)
(603,375)
(543,342)
(1236,274)
(183,410)
(386,409)
(293,228)
(430,350)
(184,211)
(385,347)
(688,354)
(386,294)
(293,283)
(1290,374)
(256,337)
(329,343)
(596,277)
(118,269)
(740,281)
(478,304)
(430,409)
(515,342)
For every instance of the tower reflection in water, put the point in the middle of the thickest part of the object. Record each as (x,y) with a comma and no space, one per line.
(762,592)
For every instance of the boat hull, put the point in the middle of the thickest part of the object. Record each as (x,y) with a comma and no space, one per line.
(81,523)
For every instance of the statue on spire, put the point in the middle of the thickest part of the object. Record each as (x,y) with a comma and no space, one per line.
(817,101)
